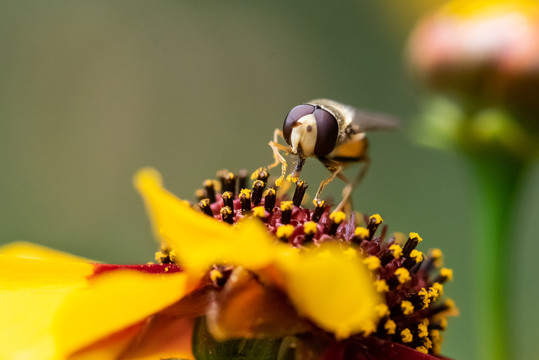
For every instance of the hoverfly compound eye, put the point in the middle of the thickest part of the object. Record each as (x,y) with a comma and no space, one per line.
(327,132)
(293,116)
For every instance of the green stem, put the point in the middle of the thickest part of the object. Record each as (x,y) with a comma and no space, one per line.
(498,179)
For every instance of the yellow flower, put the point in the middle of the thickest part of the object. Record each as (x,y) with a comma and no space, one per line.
(55,305)
(339,301)
(235,274)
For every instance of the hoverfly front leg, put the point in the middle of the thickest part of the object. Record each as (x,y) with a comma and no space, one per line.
(279,159)
(335,168)
(294,176)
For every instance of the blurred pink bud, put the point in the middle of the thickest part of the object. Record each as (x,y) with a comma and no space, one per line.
(483,53)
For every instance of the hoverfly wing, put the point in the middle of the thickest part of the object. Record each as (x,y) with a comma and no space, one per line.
(368,121)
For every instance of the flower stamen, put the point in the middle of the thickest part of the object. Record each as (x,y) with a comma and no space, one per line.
(299,193)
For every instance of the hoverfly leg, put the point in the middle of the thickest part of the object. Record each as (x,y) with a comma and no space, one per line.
(279,159)
(350,186)
(335,168)
(294,176)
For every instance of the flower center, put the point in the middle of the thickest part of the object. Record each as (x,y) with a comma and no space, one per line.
(410,281)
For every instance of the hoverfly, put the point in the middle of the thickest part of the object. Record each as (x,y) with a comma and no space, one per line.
(332,132)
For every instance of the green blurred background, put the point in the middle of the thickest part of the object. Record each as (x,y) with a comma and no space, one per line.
(92,91)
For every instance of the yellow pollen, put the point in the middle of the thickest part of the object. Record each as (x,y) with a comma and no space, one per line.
(207,183)
(436,253)
(426,297)
(416,255)
(447,273)
(361,232)
(285,231)
(435,335)
(427,343)
(377,219)
(414,235)
(200,193)
(382,310)
(407,307)
(422,349)
(310,227)
(406,336)
(436,290)
(337,217)
(259,211)
(247,192)
(279,181)
(159,255)
(292,179)
(215,275)
(319,203)
(368,327)
(390,327)
(381,286)
(397,250)
(286,205)
(269,191)
(403,275)
(372,262)
(423,330)
(255,174)
(437,348)
(443,323)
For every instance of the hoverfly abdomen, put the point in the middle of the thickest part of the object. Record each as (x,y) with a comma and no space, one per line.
(354,150)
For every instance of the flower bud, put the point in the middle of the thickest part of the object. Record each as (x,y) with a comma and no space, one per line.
(482,53)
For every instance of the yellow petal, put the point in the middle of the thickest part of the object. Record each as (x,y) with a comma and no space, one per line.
(163,337)
(111,302)
(31,292)
(28,250)
(332,287)
(199,240)
(111,347)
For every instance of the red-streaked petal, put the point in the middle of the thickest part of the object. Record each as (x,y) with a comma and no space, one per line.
(145,268)
(112,302)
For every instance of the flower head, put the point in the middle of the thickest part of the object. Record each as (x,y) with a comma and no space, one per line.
(249,264)
(344,279)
